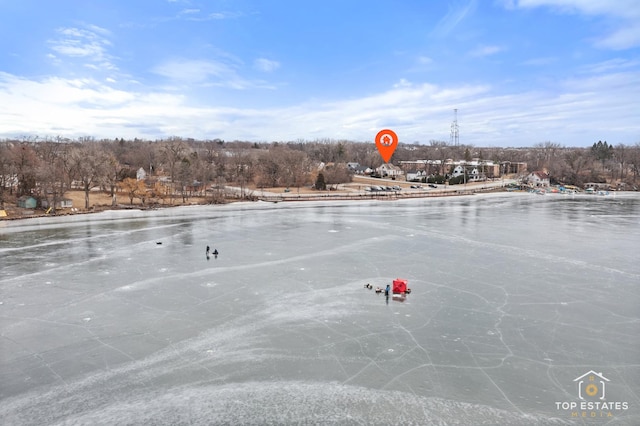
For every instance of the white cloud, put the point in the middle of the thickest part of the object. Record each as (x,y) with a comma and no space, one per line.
(89,44)
(611,65)
(623,38)
(195,15)
(54,90)
(623,16)
(482,51)
(266,65)
(193,71)
(77,45)
(75,107)
(590,7)
(99,30)
(573,112)
(189,11)
(207,73)
(222,15)
(454,16)
(402,83)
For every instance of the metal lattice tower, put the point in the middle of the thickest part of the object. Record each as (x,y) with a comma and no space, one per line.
(455,131)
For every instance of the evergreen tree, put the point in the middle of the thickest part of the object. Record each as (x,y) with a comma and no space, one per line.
(320,183)
(602,151)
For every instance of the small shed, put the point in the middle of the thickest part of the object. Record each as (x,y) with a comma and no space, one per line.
(27,202)
(61,203)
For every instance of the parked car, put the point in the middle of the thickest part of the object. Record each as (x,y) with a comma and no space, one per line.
(432,185)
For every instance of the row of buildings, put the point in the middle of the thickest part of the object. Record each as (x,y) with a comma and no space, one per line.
(415,170)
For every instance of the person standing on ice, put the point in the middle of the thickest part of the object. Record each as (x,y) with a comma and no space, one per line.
(387,289)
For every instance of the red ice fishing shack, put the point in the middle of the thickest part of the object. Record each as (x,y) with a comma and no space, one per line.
(399,286)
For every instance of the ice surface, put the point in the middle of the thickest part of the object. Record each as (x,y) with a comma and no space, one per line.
(513,296)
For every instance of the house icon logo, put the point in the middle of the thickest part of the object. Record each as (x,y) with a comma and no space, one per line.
(592,403)
(591,385)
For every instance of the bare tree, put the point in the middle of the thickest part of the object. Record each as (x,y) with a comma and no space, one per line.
(173,152)
(576,163)
(549,151)
(634,161)
(336,174)
(25,163)
(242,170)
(620,158)
(6,173)
(441,152)
(90,167)
(360,153)
(269,169)
(53,172)
(185,178)
(114,173)
(297,166)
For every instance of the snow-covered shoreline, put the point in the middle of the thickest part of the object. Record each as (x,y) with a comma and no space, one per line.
(41,222)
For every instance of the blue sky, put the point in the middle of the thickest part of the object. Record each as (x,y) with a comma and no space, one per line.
(520,72)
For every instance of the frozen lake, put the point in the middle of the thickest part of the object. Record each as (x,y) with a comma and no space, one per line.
(513,297)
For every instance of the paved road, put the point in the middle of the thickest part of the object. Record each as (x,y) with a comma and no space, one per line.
(356,190)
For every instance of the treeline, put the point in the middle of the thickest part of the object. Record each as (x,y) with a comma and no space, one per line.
(185,167)
(618,165)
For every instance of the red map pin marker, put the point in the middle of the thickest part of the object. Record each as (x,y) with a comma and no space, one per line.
(387,142)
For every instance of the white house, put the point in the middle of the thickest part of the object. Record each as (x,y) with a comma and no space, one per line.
(538,179)
(473,174)
(357,169)
(141,174)
(389,170)
(457,171)
(413,175)
(353,166)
